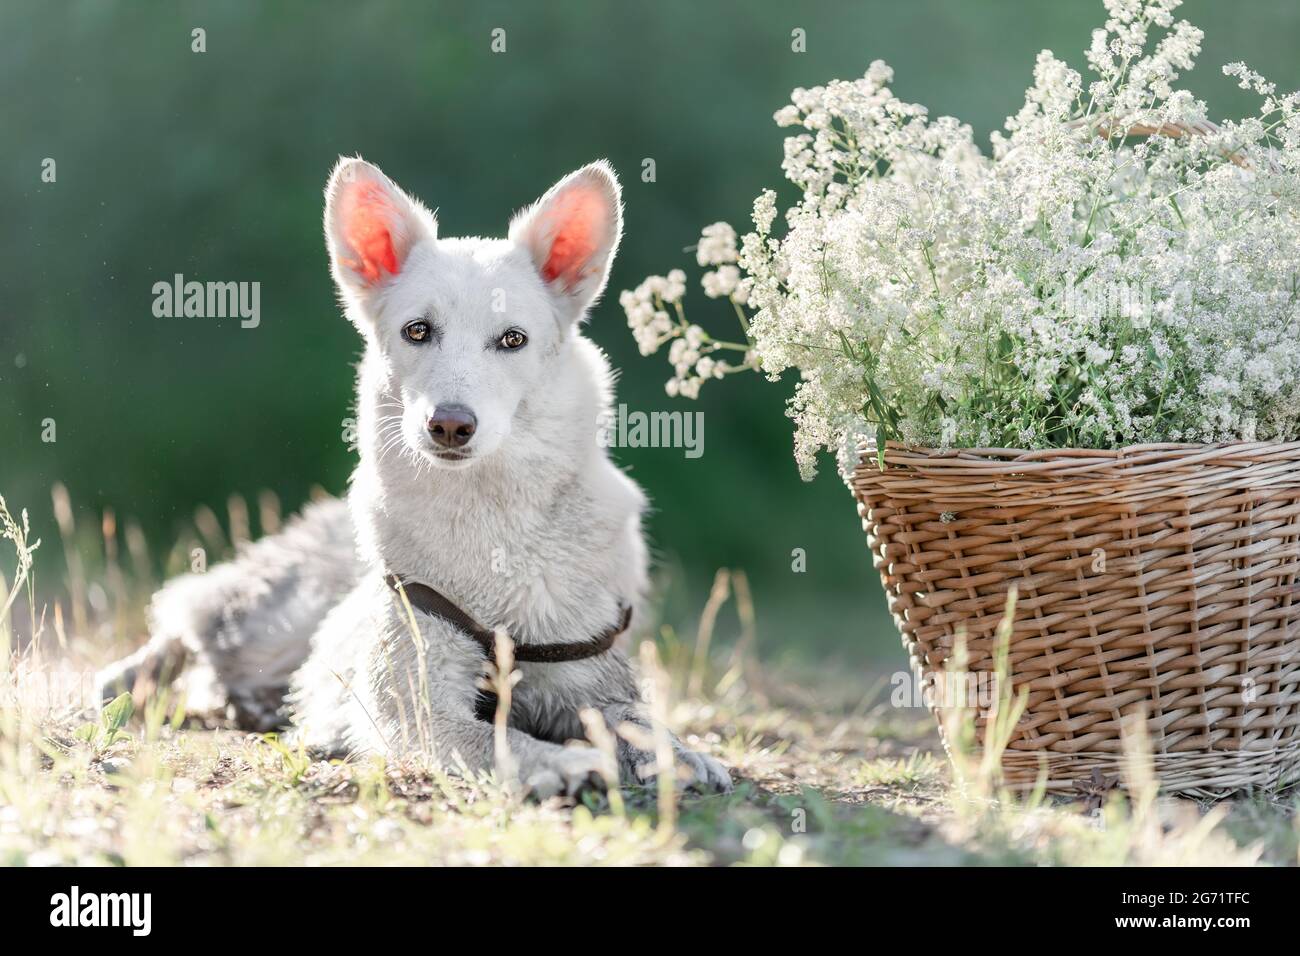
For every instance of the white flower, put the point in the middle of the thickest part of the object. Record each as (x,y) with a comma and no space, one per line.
(675,286)
(717,245)
(787,116)
(1078,286)
(721,283)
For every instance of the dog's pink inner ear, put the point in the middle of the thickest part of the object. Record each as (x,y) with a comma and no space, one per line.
(576,223)
(367,215)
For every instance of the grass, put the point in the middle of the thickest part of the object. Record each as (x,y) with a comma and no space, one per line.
(827,771)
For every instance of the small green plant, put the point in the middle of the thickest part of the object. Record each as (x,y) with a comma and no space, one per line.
(108,731)
(295,759)
(914,771)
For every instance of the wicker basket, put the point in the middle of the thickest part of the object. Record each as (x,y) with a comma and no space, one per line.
(1156,579)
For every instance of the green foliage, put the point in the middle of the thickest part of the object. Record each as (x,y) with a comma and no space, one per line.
(212,165)
(294,758)
(109,730)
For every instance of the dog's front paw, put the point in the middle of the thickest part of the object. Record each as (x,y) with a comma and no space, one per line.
(706,773)
(694,771)
(563,771)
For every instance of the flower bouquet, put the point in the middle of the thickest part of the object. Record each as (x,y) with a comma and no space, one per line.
(1068,370)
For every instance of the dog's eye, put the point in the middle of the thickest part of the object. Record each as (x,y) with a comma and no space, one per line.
(513,339)
(417,331)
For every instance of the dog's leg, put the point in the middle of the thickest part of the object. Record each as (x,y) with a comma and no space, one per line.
(465,744)
(373,686)
(619,705)
(242,628)
(155,664)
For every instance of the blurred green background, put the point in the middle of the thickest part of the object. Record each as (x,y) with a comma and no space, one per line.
(212,165)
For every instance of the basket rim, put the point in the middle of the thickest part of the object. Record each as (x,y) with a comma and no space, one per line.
(1129,460)
(1070,476)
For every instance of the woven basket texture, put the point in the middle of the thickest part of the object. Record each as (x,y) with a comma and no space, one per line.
(1155,581)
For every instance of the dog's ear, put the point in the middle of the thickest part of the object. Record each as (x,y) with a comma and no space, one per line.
(572,233)
(370,226)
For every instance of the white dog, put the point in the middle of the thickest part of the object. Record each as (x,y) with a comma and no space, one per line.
(481,486)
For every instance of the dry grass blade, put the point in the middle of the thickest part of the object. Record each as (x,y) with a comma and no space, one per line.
(18,530)
(665,770)
(237,512)
(718,595)
(598,732)
(268,511)
(503,679)
(71,555)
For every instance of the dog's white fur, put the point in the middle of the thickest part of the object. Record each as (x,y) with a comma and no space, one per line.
(535,531)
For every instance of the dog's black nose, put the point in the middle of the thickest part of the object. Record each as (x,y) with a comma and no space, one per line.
(451,426)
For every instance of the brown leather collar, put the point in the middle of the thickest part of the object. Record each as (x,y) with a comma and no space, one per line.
(426,599)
